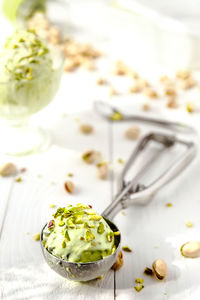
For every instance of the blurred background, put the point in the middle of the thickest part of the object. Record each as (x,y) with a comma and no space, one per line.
(154,45)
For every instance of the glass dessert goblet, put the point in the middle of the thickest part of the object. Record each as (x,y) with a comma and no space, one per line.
(19,99)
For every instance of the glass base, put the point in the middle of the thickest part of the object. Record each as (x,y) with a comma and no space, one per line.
(23,139)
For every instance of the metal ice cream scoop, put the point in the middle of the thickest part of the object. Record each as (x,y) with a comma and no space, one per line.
(111,113)
(129,193)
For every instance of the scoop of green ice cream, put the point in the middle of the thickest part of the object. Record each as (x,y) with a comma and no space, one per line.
(78,234)
(28,80)
(25,56)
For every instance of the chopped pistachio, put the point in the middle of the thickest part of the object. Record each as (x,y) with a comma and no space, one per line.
(114,249)
(126,249)
(67,235)
(63,244)
(36,237)
(190,107)
(52,205)
(117,233)
(19,179)
(86,225)
(148,271)
(61,223)
(78,213)
(116,116)
(188,223)
(91,212)
(169,204)
(120,161)
(95,218)
(70,223)
(100,228)
(70,175)
(100,277)
(139,287)
(109,236)
(51,224)
(139,280)
(78,219)
(77,209)
(89,236)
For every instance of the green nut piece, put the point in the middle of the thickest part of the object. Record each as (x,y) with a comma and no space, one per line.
(89,236)
(95,218)
(67,236)
(100,229)
(61,223)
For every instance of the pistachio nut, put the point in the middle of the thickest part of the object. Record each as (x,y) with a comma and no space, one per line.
(102,170)
(92,157)
(69,186)
(86,128)
(119,262)
(191,249)
(159,269)
(133,133)
(8,169)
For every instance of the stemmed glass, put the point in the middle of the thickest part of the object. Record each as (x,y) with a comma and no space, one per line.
(19,100)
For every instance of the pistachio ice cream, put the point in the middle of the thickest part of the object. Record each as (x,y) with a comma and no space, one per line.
(28,80)
(78,234)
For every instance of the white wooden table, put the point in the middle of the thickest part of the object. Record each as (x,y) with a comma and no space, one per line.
(152,231)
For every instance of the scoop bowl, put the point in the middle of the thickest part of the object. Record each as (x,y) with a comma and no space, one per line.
(81,271)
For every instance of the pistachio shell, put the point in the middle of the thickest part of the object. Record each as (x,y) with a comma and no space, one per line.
(133,133)
(191,249)
(160,269)
(8,169)
(119,262)
(91,157)
(103,170)
(69,186)
(86,128)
